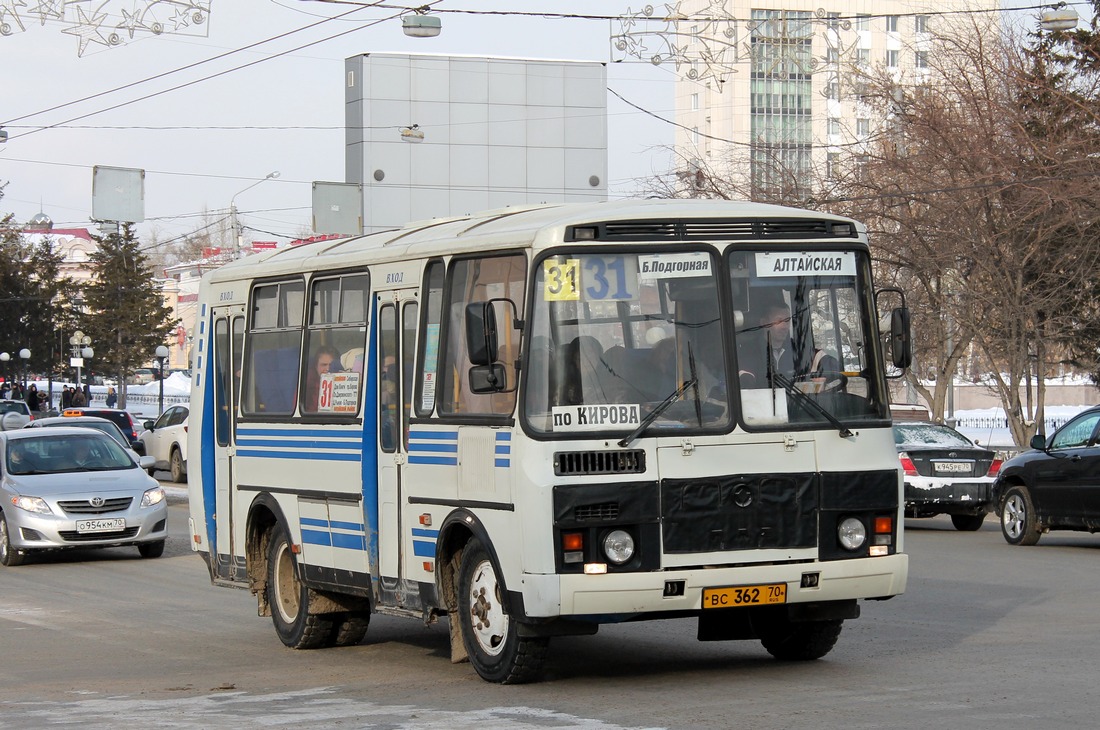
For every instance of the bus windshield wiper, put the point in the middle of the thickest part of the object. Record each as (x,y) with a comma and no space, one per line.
(656,412)
(809,404)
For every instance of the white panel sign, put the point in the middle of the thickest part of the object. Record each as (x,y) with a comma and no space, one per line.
(339,393)
(673,265)
(824,263)
(594,417)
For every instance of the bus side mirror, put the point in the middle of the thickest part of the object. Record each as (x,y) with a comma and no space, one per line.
(481,333)
(901,338)
(490,378)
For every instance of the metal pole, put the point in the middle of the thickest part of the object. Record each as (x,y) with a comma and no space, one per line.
(161,401)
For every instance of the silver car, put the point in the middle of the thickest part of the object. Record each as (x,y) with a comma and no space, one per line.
(75,488)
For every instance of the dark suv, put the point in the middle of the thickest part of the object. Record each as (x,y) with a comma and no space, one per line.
(122,419)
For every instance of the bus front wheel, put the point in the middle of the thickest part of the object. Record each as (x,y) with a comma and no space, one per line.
(788,640)
(289,598)
(490,635)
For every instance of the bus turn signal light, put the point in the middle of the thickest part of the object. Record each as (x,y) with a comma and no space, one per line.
(572,541)
(884,525)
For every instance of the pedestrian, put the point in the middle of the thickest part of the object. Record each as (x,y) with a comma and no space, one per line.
(112,397)
(66,397)
(32,398)
(4,388)
(78,400)
(16,392)
(87,394)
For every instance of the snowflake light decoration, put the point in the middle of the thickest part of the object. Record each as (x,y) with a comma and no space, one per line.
(106,22)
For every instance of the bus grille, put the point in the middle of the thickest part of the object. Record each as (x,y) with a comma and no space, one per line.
(572,463)
(604,512)
(723,229)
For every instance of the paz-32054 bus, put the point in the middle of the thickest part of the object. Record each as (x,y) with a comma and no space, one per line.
(539,420)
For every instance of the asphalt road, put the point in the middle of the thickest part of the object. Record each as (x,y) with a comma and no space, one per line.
(988,636)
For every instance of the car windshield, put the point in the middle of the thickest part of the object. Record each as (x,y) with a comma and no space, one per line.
(929,435)
(54,453)
(13,406)
(104,426)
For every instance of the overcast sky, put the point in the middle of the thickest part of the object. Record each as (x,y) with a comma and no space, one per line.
(191,170)
(199,163)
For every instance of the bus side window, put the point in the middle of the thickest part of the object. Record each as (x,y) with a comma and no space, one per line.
(274,352)
(336,335)
(429,335)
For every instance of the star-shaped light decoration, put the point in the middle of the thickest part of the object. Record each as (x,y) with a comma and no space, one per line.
(87,29)
(9,9)
(54,9)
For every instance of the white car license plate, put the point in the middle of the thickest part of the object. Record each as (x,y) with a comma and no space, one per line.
(112,525)
(953,467)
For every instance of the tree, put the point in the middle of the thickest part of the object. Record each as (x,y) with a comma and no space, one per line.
(127,318)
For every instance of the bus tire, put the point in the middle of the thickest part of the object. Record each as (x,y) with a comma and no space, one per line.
(787,640)
(288,598)
(491,637)
(350,628)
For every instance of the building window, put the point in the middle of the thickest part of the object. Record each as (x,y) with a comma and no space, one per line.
(863,127)
(695,102)
(863,57)
(922,59)
(695,135)
(832,164)
(834,126)
(892,59)
(832,90)
(863,22)
(920,24)
(832,55)
(834,21)
(891,23)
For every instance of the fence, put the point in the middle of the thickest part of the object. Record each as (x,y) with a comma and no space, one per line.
(989,423)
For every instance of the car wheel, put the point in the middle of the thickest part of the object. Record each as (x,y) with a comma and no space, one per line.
(288,598)
(967,523)
(151,549)
(176,466)
(9,555)
(490,635)
(1018,523)
(794,641)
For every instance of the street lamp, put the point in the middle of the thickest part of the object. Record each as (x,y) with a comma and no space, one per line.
(162,355)
(25,355)
(80,343)
(237,232)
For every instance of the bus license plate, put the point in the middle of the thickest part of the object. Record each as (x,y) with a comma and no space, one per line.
(112,525)
(734,596)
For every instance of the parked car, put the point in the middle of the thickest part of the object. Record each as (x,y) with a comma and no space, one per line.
(21,411)
(75,488)
(99,424)
(142,376)
(165,440)
(1055,486)
(945,473)
(123,419)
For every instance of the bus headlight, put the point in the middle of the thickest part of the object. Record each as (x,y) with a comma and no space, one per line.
(618,546)
(852,533)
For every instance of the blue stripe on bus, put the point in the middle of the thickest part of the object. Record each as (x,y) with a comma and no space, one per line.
(503,449)
(315,537)
(502,462)
(434,435)
(437,460)
(207,453)
(351,542)
(504,435)
(301,433)
(312,522)
(436,448)
(422,549)
(417,532)
(299,455)
(369,446)
(354,526)
(290,444)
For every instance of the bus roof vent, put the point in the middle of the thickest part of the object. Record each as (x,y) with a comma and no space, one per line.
(719,229)
(575,463)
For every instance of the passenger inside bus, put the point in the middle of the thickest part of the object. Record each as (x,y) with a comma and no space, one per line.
(325,360)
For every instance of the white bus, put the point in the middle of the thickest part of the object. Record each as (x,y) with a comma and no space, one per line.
(539,420)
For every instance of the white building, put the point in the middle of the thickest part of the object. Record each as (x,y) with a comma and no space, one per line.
(779,79)
(438,136)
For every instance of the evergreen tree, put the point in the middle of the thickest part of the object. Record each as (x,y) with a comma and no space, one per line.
(127,318)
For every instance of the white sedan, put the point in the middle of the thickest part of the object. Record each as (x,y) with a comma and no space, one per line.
(166,441)
(75,488)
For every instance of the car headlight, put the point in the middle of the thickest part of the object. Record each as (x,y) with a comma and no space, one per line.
(31,504)
(618,546)
(152,496)
(852,533)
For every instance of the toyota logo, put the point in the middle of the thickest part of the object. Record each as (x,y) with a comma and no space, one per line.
(952,455)
(96,501)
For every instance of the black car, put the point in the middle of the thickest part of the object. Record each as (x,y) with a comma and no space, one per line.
(1056,486)
(122,419)
(945,473)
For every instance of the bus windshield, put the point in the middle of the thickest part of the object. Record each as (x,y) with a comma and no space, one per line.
(615,337)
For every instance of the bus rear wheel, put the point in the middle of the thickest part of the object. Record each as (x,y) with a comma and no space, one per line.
(490,635)
(788,640)
(288,598)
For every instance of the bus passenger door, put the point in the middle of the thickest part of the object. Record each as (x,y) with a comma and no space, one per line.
(228,344)
(397,317)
